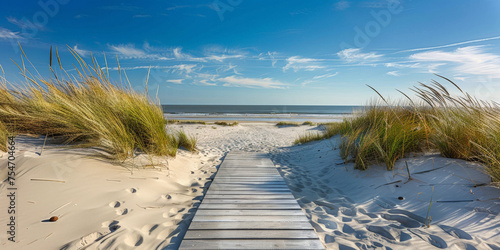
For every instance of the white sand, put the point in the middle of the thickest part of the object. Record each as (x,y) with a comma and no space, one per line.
(106,206)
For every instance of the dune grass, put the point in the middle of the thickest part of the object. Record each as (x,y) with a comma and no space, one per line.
(458,126)
(3,137)
(309,137)
(226,123)
(188,142)
(310,123)
(283,124)
(186,122)
(87,109)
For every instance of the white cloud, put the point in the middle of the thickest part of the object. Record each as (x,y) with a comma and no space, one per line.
(325,76)
(452,44)
(252,82)
(81,52)
(25,24)
(186,68)
(206,82)
(356,56)
(469,60)
(297,63)
(139,16)
(342,5)
(7,34)
(393,73)
(273,59)
(175,81)
(179,55)
(128,51)
(223,57)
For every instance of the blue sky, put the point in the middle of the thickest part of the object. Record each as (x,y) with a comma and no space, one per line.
(264,52)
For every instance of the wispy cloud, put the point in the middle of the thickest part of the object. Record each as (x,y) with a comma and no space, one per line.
(469,60)
(325,76)
(451,45)
(299,63)
(8,34)
(225,68)
(342,5)
(186,68)
(393,73)
(128,50)
(25,24)
(356,56)
(207,82)
(221,58)
(81,52)
(175,81)
(233,81)
(179,55)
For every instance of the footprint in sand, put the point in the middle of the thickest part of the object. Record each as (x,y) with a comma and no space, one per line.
(133,239)
(348,211)
(123,211)
(455,232)
(111,225)
(430,238)
(115,204)
(166,196)
(405,221)
(149,229)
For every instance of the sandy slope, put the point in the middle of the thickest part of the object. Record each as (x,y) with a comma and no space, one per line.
(100,205)
(105,206)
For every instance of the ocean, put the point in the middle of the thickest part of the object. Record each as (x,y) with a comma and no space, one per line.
(267,113)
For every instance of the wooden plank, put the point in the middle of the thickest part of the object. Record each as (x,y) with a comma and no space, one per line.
(202,212)
(264,225)
(250,234)
(248,201)
(249,196)
(249,206)
(249,185)
(244,192)
(250,218)
(252,244)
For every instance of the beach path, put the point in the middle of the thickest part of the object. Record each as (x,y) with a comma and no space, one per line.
(249,206)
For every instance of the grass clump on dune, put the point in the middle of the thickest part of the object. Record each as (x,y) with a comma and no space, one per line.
(457,126)
(309,137)
(282,124)
(188,142)
(226,123)
(381,134)
(89,110)
(3,137)
(310,123)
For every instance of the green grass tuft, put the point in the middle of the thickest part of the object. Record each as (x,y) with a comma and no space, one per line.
(309,137)
(188,142)
(458,126)
(283,124)
(89,110)
(3,137)
(310,123)
(226,123)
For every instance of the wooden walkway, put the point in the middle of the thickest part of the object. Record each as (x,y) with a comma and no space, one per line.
(249,206)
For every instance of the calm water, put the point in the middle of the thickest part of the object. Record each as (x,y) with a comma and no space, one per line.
(259,112)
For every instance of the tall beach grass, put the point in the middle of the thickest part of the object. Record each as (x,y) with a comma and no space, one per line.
(87,109)
(458,126)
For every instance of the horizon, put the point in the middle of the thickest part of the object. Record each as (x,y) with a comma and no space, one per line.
(238,52)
